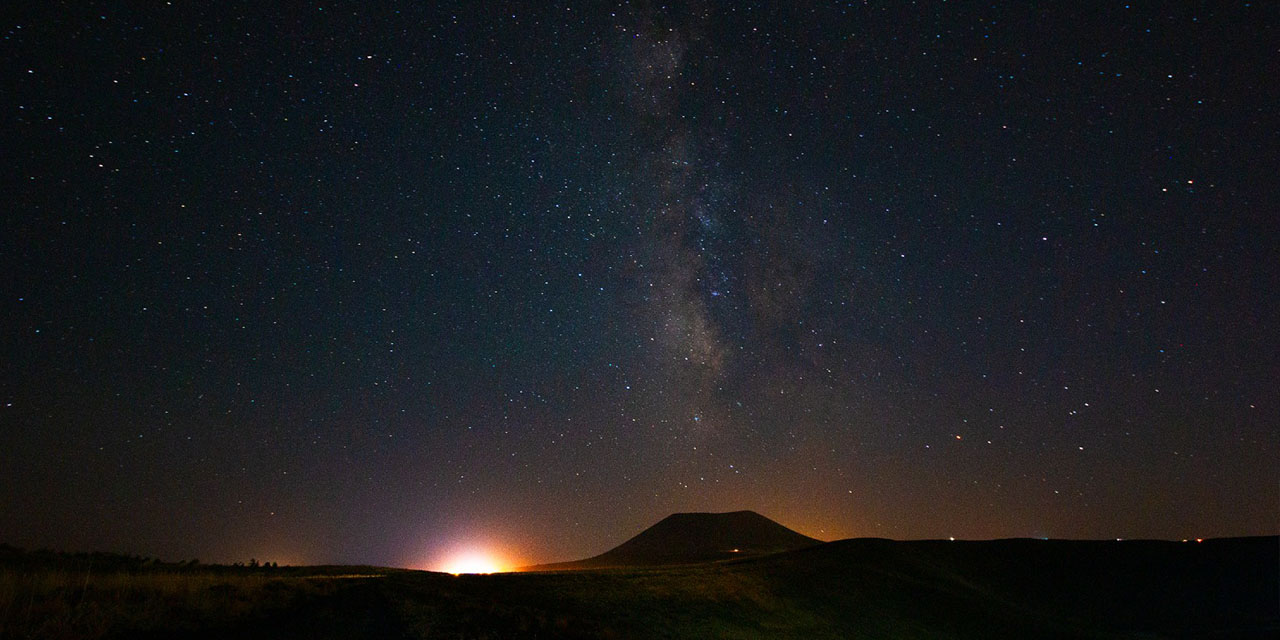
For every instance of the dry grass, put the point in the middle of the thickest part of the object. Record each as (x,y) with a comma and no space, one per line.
(58,604)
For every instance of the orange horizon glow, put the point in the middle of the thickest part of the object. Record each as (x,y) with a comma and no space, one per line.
(476,561)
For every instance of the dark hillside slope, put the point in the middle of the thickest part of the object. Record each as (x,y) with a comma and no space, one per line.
(882,589)
(1227,588)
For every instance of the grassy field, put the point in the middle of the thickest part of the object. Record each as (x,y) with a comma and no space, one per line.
(878,589)
(847,589)
(59,603)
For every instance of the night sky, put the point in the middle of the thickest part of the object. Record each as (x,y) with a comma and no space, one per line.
(323,283)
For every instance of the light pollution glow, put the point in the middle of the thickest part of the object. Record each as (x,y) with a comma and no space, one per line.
(474,561)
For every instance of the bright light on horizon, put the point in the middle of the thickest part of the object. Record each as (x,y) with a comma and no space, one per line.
(474,562)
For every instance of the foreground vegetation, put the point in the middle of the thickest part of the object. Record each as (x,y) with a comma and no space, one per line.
(879,589)
(847,589)
(54,595)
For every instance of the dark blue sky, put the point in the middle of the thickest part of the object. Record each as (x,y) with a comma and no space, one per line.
(362,284)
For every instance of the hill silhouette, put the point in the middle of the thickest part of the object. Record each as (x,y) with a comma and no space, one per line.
(685,538)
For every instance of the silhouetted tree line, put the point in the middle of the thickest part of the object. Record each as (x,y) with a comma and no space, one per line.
(12,557)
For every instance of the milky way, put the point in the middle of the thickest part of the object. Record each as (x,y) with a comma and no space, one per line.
(350,284)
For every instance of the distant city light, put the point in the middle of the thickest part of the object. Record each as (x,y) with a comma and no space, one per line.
(474,562)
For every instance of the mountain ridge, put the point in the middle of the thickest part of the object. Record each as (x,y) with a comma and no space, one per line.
(694,537)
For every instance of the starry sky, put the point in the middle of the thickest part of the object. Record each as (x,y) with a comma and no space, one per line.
(373,282)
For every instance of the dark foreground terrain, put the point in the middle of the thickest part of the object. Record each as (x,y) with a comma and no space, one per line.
(853,588)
